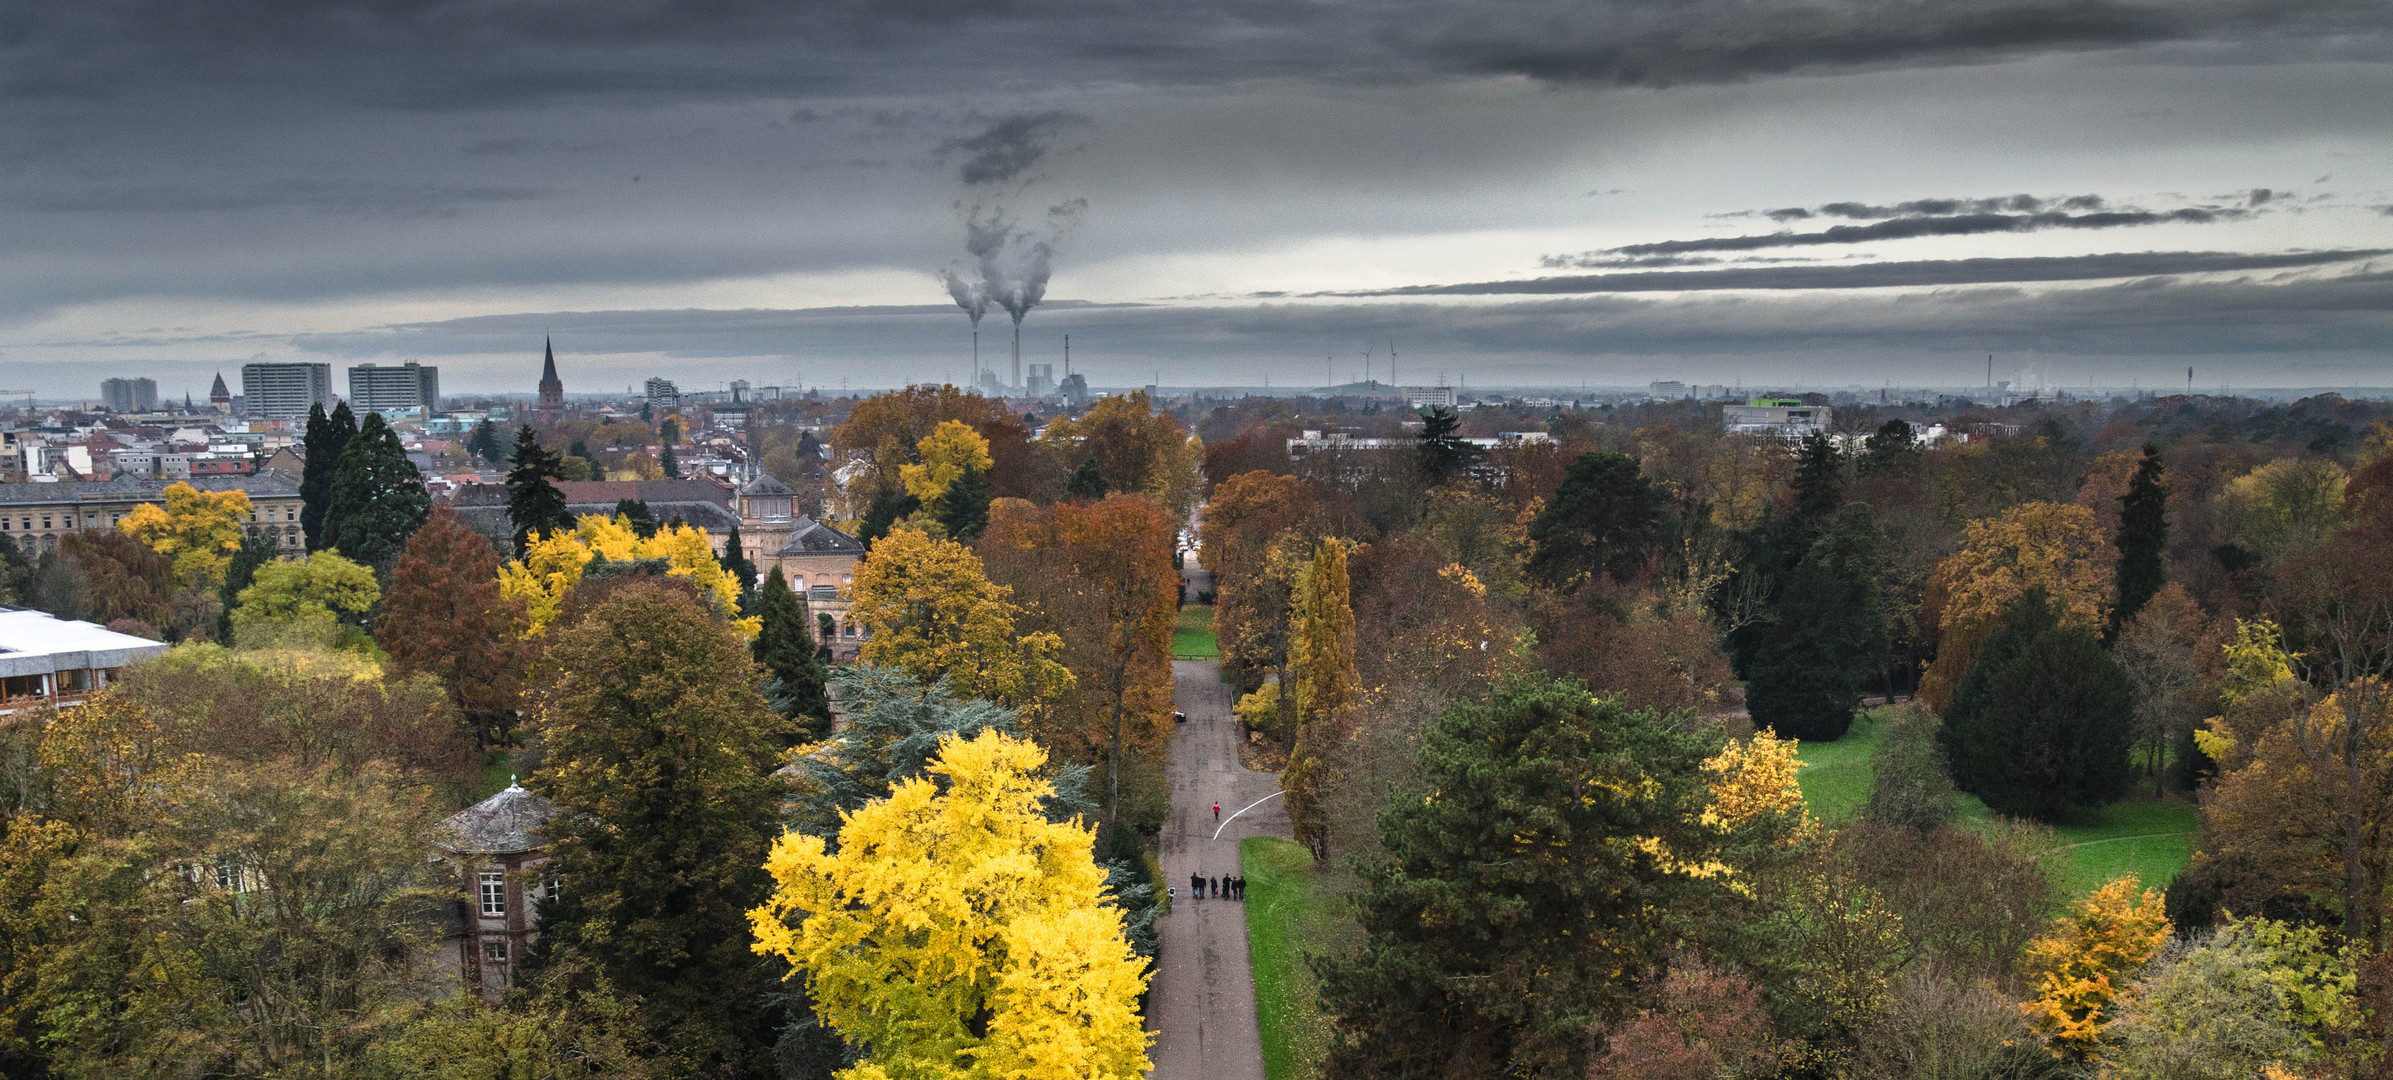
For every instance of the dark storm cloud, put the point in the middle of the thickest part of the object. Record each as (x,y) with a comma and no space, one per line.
(330,195)
(1007,150)
(1907,228)
(1935,272)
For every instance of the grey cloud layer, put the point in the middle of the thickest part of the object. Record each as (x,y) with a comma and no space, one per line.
(1910,228)
(1912,274)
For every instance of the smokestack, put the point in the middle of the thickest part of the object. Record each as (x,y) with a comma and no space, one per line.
(1017,386)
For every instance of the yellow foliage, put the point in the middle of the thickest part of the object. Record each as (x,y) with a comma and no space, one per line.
(198,530)
(553,564)
(942,909)
(928,606)
(2054,545)
(2079,966)
(1261,709)
(946,452)
(1754,781)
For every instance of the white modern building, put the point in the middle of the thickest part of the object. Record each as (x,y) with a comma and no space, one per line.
(48,661)
(375,388)
(1782,418)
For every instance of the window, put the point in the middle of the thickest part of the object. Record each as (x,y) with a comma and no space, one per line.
(849,630)
(231,877)
(74,680)
(551,888)
(45,521)
(494,894)
(191,872)
(23,686)
(494,952)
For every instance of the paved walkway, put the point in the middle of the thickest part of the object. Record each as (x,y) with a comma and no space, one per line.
(1203,1005)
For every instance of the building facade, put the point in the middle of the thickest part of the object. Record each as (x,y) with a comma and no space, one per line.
(375,388)
(552,389)
(129,395)
(496,851)
(35,515)
(284,391)
(663,396)
(1780,418)
(50,662)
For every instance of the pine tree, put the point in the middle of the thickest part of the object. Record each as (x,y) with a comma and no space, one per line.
(786,648)
(2043,721)
(888,507)
(2143,535)
(1606,518)
(326,437)
(378,497)
(643,520)
(666,461)
(1087,483)
(1443,454)
(1823,636)
(1819,484)
(964,507)
(483,444)
(735,563)
(534,504)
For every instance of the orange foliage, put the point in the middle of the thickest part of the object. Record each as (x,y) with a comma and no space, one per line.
(2079,966)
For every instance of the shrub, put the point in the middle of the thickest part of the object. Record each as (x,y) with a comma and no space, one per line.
(1911,789)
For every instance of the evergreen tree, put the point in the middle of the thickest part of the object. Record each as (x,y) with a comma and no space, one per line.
(256,551)
(1443,454)
(647,412)
(643,520)
(1893,448)
(1823,636)
(483,444)
(2043,721)
(378,497)
(785,646)
(1606,518)
(1819,484)
(888,507)
(326,438)
(671,464)
(964,508)
(1087,483)
(534,504)
(734,561)
(2143,535)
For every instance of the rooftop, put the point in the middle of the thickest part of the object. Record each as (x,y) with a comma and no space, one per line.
(503,824)
(37,642)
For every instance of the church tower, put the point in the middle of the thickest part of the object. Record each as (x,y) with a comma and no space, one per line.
(220,397)
(552,392)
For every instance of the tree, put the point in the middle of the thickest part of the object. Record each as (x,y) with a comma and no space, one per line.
(659,754)
(734,560)
(378,498)
(123,579)
(1605,519)
(1136,448)
(1443,454)
(323,444)
(927,606)
(1891,450)
(2142,540)
(197,529)
(964,507)
(1527,891)
(2077,968)
(1245,514)
(1326,689)
(992,920)
(1087,483)
(2045,545)
(635,511)
(888,507)
(556,562)
(534,505)
(325,587)
(2042,723)
(444,614)
(785,646)
(1819,485)
(256,550)
(946,454)
(482,444)
(667,460)
(2227,1008)
(1822,636)
(2160,650)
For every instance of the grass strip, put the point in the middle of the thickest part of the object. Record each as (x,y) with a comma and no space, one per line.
(1192,634)
(1280,911)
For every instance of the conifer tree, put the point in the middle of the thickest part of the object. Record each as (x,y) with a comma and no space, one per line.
(643,520)
(378,497)
(667,461)
(1326,688)
(534,504)
(326,438)
(1605,518)
(1088,481)
(1823,636)
(964,506)
(1444,455)
(483,444)
(888,507)
(2043,721)
(785,646)
(255,551)
(736,563)
(2143,535)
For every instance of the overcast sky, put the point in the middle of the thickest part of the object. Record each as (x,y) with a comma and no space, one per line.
(1506,192)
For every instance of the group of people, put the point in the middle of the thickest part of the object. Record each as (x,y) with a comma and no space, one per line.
(1201,887)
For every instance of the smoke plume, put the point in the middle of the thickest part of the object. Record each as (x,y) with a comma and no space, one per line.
(1007,260)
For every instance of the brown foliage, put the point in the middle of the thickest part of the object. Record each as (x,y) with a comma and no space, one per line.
(1420,620)
(125,578)
(1703,1024)
(1619,647)
(1257,449)
(888,425)
(444,616)
(1970,902)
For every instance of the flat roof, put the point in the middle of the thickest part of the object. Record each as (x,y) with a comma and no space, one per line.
(38,643)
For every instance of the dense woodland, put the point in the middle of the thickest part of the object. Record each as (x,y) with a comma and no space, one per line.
(1540,712)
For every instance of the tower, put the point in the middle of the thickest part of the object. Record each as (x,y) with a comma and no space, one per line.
(552,392)
(219,397)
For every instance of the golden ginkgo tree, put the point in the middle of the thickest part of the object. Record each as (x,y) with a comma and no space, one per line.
(960,934)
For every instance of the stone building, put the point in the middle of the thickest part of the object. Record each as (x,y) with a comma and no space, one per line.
(35,515)
(495,849)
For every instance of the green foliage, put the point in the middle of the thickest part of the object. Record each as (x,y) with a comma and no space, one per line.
(534,504)
(964,507)
(563,1030)
(643,520)
(327,437)
(888,507)
(1822,636)
(785,646)
(892,726)
(484,443)
(1606,518)
(1911,788)
(2142,539)
(2212,1011)
(734,561)
(2042,722)
(378,498)
(1522,898)
(668,461)
(324,586)
(1088,482)
(256,551)
(1443,454)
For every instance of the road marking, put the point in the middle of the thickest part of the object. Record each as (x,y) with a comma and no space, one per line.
(1225,822)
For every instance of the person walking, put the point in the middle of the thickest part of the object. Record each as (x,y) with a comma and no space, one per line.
(1217,811)
(1196,886)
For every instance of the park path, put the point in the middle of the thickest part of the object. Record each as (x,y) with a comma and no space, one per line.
(1202,1008)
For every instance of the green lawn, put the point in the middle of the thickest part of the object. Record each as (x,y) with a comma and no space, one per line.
(1192,634)
(2151,840)
(1281,916)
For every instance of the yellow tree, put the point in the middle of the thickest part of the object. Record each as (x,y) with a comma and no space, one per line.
(947,453)
(197,529)
(1324,660)
(928,606)
(2054,545)
(554,563)
(324,587)
(2079,966)
(960,935)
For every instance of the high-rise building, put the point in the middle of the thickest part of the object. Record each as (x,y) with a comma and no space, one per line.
(663,395)
(552,391)
(374,388)
(129,395)
(739,391)
(1042,380)
(284,391)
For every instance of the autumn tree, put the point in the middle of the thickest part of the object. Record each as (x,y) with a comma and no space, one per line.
(1244,514)
(945,455)
(377,499)
(2042,722)
(124,579)
(257,549)
(2079,966)
(2052,546)
(325,439)
(552,564)
(444,614)
(534,505)
(323,588)
(1136,449)
(2142,540)
(1324,662)
(1605,519)
(197,529)
(2160,649)
(785,646)
(993,920)
(658,756)
(927,606)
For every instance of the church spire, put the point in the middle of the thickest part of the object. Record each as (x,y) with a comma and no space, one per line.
(552,390)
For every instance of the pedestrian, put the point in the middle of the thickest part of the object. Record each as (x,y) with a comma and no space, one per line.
(1217,810)
(1242,886)
(1171,893)
(1196,886)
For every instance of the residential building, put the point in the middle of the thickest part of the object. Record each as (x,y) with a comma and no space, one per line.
(663,396)
(496,850)
(1428,397)
(49,661)
(1781,418)
(129,395)
(284,391)
(376,388)
(35,515)
(552,390)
